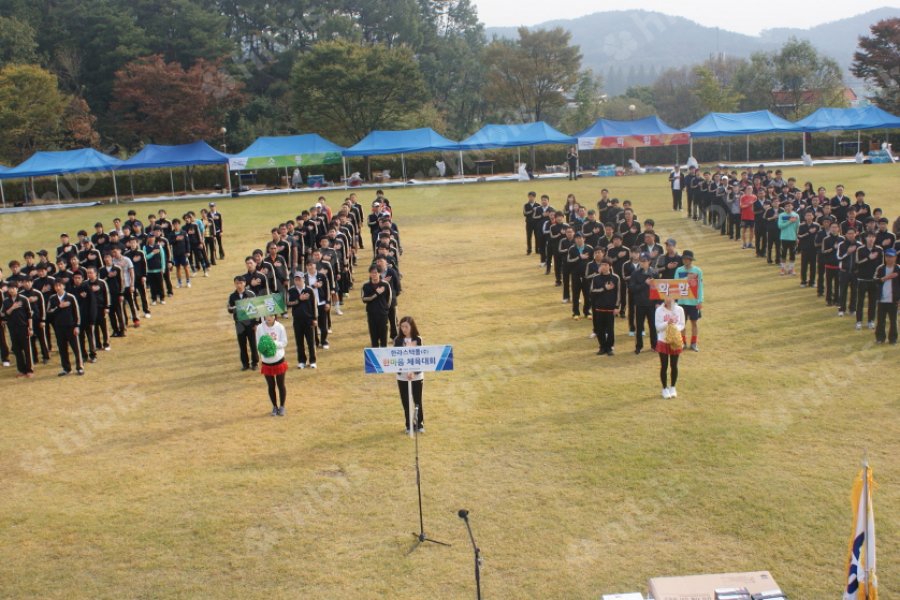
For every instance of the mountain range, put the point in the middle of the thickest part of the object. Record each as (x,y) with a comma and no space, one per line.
(632,47)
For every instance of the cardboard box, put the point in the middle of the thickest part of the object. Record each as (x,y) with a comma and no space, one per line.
(703,587)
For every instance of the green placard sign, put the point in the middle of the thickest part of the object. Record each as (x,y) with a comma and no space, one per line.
(260,306)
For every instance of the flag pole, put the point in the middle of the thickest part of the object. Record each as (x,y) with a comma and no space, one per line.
(865,499)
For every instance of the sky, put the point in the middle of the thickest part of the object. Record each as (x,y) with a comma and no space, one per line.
(760,14)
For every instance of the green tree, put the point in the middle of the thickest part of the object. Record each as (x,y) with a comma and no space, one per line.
(878,62)
(31,109)
(346,90)
(587,100)
(17,42)
(793,82)
(714,96)
(674,97)
(529,77)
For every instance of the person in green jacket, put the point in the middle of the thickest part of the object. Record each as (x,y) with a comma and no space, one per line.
(692,308)
(789,224)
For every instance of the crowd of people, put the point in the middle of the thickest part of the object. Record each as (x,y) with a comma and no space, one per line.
(607,263)
(847,249)
(100,285)
(311,261)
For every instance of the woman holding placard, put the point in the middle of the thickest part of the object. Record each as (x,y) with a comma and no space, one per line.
(409,336)
(669,324)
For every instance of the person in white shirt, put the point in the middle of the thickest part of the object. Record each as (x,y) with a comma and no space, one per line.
(274,366)
(669,313)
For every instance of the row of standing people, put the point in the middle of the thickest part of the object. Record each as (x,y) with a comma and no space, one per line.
(86,293)
(606,265)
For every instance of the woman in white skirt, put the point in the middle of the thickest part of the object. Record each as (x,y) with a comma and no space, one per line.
(273,364)
(669,313)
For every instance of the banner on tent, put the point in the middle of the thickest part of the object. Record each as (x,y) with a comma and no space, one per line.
(243,163)
(633,141)
(260,306)
(679,289)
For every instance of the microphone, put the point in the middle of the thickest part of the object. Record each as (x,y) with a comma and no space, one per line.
(463,514)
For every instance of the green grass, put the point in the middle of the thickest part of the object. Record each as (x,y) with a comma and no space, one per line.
(160,475)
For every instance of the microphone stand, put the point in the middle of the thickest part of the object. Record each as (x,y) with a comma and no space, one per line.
(420,537)
(464,515)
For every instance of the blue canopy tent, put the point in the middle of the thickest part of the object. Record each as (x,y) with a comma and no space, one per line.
(287,151)
(847,119)
(734,124)
(46,164)
(514,136)
(649,131)
(403,142)
(153,156)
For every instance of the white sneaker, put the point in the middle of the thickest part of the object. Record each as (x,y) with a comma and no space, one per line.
(565,301)
(840,313)
(178,285)
(162,302)
(630,334)
(147,315)
(312,365)
(206,273)
(5,363)
(301,365)
(871,324)
(592,336)
(673,393)
(665,394)
(153,303)
(189,283)
(859,325)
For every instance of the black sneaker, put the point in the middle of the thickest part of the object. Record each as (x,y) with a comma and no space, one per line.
(601,352)
(611,352)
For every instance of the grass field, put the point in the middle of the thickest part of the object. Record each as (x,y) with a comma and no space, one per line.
(161,475)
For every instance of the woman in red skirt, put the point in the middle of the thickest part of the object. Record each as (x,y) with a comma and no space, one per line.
(271,353)
(668,346)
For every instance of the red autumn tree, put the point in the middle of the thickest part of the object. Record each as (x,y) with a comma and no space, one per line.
(164,103)
(878,62)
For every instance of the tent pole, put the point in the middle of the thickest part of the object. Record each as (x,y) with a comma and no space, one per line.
(58,199)
(131,182)
(344,170)
(462,173)
(115,187)
(228,177)
(858,141)
(804,143)
(691,147)
(172,182)
(2,195)
(518,158)
(748,149)
(403,165)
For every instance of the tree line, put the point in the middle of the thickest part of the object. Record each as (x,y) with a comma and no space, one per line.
(116,74)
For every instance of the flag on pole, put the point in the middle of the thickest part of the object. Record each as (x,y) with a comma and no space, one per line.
(862,583)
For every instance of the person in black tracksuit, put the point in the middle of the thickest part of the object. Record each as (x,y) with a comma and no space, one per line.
(562,254)
(806,242)
(216,217)
(112,275)
(831,263)
(824,232)
(625,274)
(604,298)
(773,233)
(139,260)
(557,233)
(304,314)
(579,256)
(639,285)
(63,313)
(377,296)
(888,277)
(759,224)
(87,306)
(101,295)
(868,258)
(528,212)
(245,329)
(392,276)
(16,310)
(38,319)
(845,251)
